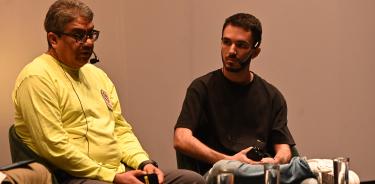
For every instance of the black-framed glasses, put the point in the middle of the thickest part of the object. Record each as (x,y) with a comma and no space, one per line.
(82,36)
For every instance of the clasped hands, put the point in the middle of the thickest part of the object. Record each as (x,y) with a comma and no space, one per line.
(130,177)
(241,156)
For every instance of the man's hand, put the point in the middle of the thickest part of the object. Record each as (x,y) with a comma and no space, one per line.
(149,168)
(268,160)
(283,155)
(241,156)
(129,177)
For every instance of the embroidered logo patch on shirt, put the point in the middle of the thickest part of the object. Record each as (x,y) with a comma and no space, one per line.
(106,99)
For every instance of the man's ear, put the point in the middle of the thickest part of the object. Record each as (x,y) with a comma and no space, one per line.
(255,52)
(52,39)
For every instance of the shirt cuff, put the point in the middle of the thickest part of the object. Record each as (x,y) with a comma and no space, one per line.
(106,174)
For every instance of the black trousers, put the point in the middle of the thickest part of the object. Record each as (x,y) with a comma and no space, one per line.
(178,176)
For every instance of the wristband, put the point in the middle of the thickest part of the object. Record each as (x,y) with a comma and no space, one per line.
(144,163)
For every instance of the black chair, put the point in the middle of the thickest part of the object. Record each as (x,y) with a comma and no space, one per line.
(295,152)
(186,162)
(20,152)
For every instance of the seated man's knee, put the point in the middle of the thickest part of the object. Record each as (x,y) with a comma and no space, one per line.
(220,167)
(35,173)
(225,166)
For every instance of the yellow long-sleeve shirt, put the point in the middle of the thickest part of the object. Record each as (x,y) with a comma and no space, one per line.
(73,119)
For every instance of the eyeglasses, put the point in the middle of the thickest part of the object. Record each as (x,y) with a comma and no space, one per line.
(238,44)
(82,36)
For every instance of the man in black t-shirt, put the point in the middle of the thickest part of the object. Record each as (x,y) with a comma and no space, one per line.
(228,111)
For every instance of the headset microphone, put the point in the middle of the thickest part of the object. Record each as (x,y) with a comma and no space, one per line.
(95,59)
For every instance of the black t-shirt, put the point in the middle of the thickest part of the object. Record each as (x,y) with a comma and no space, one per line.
(229,117)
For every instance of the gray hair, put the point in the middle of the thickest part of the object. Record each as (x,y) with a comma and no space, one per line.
(63,12)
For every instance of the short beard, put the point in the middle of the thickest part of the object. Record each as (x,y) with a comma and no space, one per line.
(236,70)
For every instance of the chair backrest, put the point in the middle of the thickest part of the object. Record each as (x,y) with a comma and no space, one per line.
(186,162)
(294,151)
(20,152)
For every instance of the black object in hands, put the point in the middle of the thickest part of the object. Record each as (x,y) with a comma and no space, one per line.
(256,154)
(149,178)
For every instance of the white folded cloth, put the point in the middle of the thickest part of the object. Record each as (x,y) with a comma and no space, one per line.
(325,168)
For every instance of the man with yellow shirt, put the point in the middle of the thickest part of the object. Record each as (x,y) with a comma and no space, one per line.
(68,112)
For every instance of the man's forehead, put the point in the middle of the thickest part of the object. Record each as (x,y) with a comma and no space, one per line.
(237,29)
(80,23)
(236,33)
